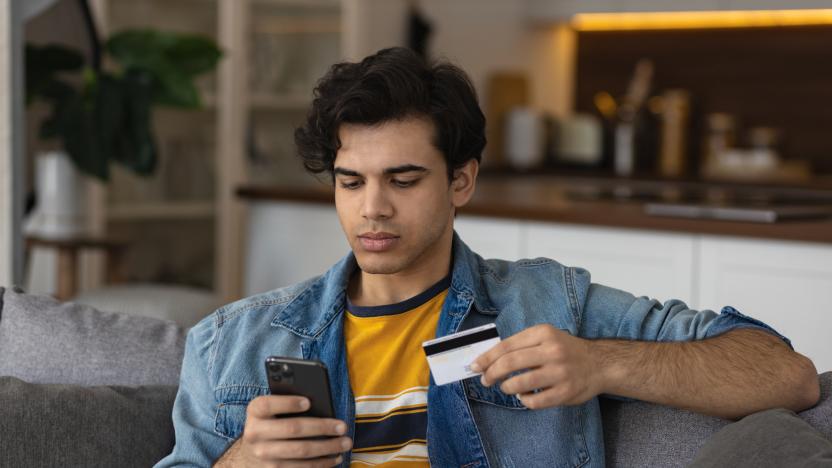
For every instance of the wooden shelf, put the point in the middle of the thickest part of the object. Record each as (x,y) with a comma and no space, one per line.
(299,3)
(264,101)
(161,211)
(272,25)
(279,101)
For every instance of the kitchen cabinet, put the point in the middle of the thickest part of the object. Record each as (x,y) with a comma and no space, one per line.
(668,5)
(775,4)
(290,242)
(642,262)
(786,284)
(493,238)
(645,263)
(557,11)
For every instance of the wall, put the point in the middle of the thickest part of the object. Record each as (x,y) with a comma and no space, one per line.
(481,36)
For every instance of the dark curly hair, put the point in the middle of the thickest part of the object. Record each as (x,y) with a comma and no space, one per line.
(393,84)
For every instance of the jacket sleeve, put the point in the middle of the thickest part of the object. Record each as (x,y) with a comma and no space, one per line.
(611,313)
(195,407)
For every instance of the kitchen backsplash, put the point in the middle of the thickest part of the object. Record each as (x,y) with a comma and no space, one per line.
(742,87)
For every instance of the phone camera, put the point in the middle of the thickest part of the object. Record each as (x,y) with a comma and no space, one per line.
(281,371)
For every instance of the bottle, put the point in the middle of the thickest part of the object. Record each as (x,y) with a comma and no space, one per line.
(720,137)
(674,117)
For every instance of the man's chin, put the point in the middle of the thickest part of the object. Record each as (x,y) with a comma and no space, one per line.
(377,266)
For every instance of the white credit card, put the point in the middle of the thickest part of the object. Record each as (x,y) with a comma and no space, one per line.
(450,357)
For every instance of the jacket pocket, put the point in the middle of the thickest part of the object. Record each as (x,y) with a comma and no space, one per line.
(474,390)
(232,402)
(515,436)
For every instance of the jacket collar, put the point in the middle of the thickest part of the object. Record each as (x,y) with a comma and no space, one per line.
(309,313)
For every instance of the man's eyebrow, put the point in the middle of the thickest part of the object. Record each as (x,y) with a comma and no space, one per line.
(389,171)
(405,168)
(346,172)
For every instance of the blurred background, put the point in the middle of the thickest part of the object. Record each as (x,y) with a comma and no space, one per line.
(674,148)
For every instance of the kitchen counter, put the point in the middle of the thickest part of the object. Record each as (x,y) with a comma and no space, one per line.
(595,224)
(587,202)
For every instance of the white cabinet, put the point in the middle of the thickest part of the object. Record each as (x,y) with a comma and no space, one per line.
(555,11)
(775,4)
(548,10)
(668,5)
(785,284)
(290,242)
(492,238)
(641,262)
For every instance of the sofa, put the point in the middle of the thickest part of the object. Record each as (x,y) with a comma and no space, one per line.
(83,387)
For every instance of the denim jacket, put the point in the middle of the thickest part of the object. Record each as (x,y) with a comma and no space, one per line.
(469,425)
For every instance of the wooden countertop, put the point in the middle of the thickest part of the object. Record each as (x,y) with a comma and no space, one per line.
(546,199)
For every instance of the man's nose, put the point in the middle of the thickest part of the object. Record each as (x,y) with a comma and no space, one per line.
(376,203)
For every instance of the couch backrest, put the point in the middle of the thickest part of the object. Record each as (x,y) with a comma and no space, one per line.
(44,341)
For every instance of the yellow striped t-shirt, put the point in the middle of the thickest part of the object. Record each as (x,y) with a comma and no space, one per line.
(389,376)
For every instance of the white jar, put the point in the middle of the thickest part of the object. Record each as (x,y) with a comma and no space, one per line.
(524,138)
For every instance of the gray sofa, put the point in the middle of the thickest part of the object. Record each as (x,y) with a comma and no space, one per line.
(81,387)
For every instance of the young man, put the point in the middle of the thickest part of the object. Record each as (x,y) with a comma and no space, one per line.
(402,140)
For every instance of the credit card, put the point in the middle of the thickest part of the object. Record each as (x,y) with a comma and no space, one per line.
(450,357)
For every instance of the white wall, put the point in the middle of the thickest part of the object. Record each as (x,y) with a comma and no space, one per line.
(11,75)
(481,36)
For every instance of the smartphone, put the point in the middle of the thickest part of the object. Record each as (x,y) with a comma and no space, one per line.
(289,376)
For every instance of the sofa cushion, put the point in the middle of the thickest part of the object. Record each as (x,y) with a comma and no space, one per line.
(820,416)
(637,433)
(67,425)
(768,439)
(45,341)
(643,434)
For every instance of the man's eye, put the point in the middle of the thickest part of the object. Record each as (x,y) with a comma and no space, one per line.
(403,183)
(350,185)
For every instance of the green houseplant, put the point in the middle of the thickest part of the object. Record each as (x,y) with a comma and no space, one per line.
(101,115)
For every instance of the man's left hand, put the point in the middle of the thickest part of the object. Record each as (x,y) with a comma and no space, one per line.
(558,365)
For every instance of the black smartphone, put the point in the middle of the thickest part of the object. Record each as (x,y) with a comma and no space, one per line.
(290,376)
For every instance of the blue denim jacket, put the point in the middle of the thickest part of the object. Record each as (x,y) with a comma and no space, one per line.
(468,425)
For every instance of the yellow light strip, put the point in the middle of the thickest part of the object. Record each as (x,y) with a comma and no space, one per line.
(699,19)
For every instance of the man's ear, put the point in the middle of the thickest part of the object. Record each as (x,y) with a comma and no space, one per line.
(464,182)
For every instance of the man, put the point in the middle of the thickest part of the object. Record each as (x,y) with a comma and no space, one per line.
(402,141)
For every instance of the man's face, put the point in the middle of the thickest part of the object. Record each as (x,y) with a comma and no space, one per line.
(392,196)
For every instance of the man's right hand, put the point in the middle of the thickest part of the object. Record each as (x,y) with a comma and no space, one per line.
(282,442)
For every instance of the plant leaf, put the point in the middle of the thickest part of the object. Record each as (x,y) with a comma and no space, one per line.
(43,63)
(172,59)
(193,54)
(137,146)
(77,127)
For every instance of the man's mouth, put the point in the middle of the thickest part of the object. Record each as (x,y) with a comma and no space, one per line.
(377,241)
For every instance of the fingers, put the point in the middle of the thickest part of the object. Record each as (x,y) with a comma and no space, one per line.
(527,338)
(530,381)
(268,406)
(303,450)
(316,463)
(525,358)
(555,396)
(295,428)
